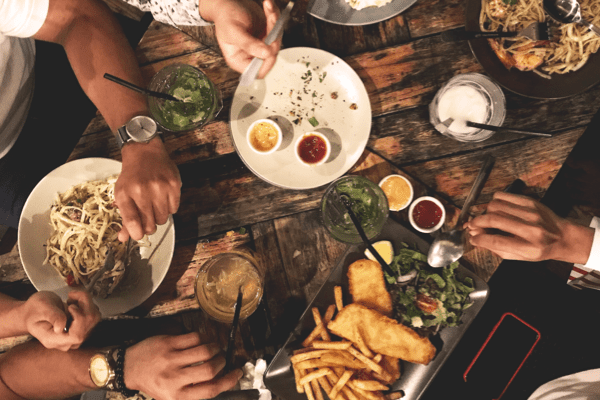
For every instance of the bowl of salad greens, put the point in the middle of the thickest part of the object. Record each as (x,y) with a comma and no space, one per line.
(368,201)
(427,299)
(199,99)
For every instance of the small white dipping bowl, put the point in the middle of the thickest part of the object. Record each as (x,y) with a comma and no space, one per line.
(272,123)
(410,197)
(327,144)
(414,224)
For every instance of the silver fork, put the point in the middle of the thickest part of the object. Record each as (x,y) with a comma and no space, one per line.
(534,31)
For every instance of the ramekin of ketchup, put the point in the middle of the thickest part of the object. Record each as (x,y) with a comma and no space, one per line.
(312,148)
(427,214)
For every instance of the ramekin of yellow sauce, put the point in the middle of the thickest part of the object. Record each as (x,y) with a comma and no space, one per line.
(264,136)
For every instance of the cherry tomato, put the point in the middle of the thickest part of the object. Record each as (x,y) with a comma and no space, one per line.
(426,303)
(70,280)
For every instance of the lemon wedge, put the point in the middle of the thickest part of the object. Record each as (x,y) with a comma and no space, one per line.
(385,250)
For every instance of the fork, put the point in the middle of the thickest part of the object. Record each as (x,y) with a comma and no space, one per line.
(534,31)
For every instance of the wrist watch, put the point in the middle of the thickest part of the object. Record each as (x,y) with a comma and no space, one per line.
(102,369)
(107,370)
(139,129)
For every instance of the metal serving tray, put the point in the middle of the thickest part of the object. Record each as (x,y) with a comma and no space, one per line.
(415,378)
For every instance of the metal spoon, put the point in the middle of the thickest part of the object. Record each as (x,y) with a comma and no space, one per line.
(568,11)
(449,246)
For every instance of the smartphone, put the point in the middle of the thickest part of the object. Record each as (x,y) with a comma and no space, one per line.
(501,356)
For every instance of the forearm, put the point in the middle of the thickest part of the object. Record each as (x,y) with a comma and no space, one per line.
(95,45)
(12,321)
(34,372)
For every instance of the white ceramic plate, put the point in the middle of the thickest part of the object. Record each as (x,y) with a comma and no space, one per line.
(289,89)
(580,386)
(143,276)
(340,12)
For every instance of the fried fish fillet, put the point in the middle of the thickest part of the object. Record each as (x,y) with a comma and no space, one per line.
(382,334)
(367,286)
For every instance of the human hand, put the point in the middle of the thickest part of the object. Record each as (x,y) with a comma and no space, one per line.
(177,367)
(148,189)
(240,27)
(531,231)
(45,319)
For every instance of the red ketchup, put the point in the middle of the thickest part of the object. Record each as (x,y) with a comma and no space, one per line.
(312,149)
(427,214)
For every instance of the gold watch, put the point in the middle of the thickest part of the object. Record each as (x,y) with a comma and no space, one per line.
(102,369)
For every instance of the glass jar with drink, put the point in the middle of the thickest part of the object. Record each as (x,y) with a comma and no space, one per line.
(220,279)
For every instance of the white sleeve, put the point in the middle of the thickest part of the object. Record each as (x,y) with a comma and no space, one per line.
(593,261)
(22,18)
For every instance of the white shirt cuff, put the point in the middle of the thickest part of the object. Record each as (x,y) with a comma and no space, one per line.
(593,261)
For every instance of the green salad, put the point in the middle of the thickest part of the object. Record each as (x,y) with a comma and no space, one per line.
(424,298)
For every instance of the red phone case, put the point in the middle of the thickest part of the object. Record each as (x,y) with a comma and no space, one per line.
(489,338)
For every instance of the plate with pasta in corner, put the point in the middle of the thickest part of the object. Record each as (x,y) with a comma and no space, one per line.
(536,69)
(68,222)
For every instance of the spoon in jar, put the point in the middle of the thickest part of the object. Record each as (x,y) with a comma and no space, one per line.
(450,246)
(568,11)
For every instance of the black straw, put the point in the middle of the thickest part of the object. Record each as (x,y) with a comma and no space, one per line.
(362,234)
(138,89)
(231,342)
(507,130)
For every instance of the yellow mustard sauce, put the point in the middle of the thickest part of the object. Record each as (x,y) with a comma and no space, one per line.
(263,136)
(397,191)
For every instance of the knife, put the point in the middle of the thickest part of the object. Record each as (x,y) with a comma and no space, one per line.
(249,75)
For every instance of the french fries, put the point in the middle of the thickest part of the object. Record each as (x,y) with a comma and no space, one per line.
(342,369)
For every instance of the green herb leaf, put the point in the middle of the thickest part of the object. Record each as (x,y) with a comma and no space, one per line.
(242,231)
(313,121)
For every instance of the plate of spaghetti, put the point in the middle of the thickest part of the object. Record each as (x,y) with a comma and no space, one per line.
(537,69)
(67,225)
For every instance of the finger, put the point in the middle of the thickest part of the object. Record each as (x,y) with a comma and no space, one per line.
(86,304)
(123,235)
(197,354)
(161,212)
(186,341)
(508,247)
(174,199)
(518,199)
(266,67)
(208,390)
(502,221)
(132,221)
(55,318)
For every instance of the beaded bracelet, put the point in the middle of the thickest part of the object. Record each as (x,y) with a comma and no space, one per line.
(120,376)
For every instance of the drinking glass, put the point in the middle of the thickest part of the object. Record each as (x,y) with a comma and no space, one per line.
(201,98)
(369,203)
(468,94)
(219,280)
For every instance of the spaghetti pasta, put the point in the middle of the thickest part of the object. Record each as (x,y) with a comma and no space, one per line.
(545,58)
(85,222)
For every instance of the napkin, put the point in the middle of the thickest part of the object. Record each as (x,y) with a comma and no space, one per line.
(253,378)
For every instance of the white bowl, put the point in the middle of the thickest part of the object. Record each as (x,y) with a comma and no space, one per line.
(426,230)
(327,144)
(410,197)
(275,126)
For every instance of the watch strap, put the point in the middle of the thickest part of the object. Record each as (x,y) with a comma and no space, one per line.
(122,136)
(119,374)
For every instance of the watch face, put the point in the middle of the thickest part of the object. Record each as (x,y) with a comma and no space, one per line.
(141,128)
(99,370)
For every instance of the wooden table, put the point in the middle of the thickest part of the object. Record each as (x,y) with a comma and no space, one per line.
(402,62)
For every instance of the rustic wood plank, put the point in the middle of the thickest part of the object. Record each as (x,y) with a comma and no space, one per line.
(161,42)
(434,16)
